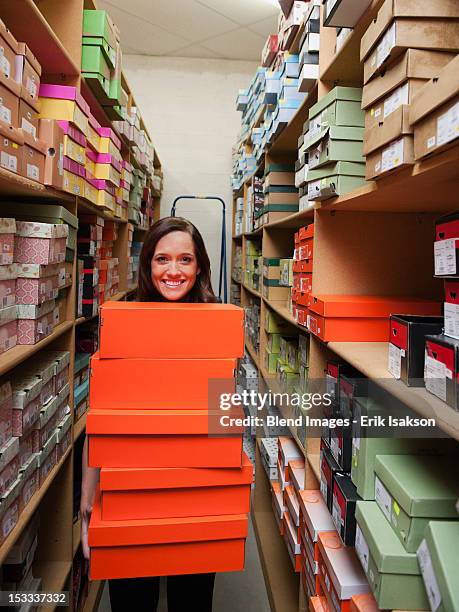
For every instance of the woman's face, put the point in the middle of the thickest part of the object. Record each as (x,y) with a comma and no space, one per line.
(174,265)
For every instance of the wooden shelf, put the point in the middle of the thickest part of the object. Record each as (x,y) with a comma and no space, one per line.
(85,206)
(20,353)
(238,282)
(281,309)
(76,536)
(54,575)
(371,358)
(27,23)
(95,593)
(30,509)
(314,462)
(13,185)
(294,221)
(79,427)
(252,291)
(252,353)
(255,234)
(413,189)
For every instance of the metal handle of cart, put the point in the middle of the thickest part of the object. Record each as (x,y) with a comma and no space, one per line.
(223,272)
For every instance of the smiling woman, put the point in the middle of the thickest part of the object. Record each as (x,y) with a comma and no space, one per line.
(174,265)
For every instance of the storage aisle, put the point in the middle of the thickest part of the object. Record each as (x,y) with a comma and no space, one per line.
(345,182)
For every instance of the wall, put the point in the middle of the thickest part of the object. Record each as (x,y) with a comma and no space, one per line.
(189,107)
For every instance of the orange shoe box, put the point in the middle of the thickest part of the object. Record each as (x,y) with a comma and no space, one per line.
(159,384)
(361,318)
(171,330)
(161,439)
(364,603)
(165,547)
(175,492)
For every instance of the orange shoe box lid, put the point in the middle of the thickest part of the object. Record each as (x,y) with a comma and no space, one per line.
(371,306)
(128,479)
(165,384)
(146,439)
(171,330)
(159,422)
(135,548)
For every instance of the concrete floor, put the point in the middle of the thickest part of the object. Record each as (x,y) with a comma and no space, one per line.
(234,591)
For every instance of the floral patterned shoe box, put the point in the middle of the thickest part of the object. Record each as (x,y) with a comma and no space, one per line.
(7,231)
(38,283)
(8,328)
(8,275)
(36,322)
(6,413)
(40,243)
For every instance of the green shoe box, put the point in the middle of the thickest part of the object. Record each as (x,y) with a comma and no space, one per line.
(97,23)
(365,447)
(99,85)
(393,573)
(99,42)
(275,324)
(271,267)
(271,359)
(412,490)
(439,562)
(336,143)
(335,180)
(94,58)
(341,106)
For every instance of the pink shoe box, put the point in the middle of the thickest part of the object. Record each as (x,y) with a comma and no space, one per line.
(47,421)
(28,446)
(60,361)
(32,330)
(30,481)
(37,283)
(8,328)
(9,474)
(40,243)
(63,402)
(8,275)
(6,413)
(47,458)
(9,510)
(44,369)
(64,436)
(26,401)
(7,231)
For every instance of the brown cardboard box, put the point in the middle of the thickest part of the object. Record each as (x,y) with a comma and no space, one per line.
(9,105)
(411,10)
(33,158)
(28,118)
(11,143)
(387,130)
(53,136)
(415,65)
(281,198)
(9,47)
(394,156)
(28,73)
(435,34)
(437,131)
(434,112)
(384,108)
(279,178)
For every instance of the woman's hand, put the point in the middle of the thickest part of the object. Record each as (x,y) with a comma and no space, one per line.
(88,489)
(85,510)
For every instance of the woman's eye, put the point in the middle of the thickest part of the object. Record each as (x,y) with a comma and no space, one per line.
(186,259)
(161,259)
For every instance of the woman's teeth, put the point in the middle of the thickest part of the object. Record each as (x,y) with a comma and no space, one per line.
(172,283)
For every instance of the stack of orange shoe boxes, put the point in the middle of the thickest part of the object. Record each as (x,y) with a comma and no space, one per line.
(302,270)
(173,496)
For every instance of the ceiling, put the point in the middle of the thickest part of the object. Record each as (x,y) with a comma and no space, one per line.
(220,29)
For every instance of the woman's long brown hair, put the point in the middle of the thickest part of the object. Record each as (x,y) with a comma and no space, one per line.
(202,289)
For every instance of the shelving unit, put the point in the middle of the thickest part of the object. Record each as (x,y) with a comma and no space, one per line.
(54,35)
(359,241)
